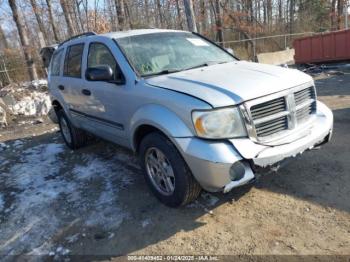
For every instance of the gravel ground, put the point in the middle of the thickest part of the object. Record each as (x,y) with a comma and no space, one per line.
(93,201)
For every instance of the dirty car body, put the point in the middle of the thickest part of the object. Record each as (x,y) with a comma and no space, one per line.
(228,119)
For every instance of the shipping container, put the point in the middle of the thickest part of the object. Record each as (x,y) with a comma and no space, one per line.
(323,48)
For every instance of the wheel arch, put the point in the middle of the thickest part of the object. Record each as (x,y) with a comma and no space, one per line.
(156,118)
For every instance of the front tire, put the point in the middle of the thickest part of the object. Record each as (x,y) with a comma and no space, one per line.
(165,171)
(72,136)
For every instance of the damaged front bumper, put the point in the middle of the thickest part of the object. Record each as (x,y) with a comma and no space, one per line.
(213,162)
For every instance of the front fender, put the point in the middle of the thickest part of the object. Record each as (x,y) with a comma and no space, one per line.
(161,118)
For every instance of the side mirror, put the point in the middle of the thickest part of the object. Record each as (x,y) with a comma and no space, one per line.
(99,73)
(230,50)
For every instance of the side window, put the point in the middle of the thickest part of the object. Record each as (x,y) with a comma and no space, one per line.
(99,54)
(72,63)
(56,63)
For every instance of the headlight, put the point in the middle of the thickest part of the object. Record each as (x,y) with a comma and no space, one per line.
(220,123)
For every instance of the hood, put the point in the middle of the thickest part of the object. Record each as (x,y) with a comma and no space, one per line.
(231,83)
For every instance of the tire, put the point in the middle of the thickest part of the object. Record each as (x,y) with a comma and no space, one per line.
(185,187)
(73,137)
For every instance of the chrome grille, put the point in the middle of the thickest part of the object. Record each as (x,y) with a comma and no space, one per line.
(262,113)
(271,127)
(274,117)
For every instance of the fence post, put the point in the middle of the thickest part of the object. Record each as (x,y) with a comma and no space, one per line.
(254,58)
(285,42)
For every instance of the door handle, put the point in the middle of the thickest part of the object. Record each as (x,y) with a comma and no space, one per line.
(61,87)
(86,92)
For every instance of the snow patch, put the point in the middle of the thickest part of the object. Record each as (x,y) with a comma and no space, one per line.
(106,211)
(27,98)
(36,104)
(2,203)
(43,177)
(210,200)
(146,222)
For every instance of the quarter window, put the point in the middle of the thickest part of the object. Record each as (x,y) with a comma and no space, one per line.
(72,64)
(56,63)
(100,55)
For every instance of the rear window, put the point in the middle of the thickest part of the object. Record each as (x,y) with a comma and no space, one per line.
(56,63)
(72,63)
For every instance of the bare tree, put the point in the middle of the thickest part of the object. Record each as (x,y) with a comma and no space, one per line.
(52,21)
(178,13)
(119,5)
(218,21)
(191,20)
(147,11)
(23,36)
(3,41)
(203,20)
(160,15)
(340,7)
(291,15)
(38,19)
(67,17)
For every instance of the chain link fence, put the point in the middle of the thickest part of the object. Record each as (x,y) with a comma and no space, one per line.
(249,48)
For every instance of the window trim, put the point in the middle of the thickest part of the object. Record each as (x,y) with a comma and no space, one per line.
(81,61)
(123,79)
(57,52)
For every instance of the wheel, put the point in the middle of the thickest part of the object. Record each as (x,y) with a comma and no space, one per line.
(72,136)
(165,171)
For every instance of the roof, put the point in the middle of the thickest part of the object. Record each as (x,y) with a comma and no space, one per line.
(119,34)
(129,33)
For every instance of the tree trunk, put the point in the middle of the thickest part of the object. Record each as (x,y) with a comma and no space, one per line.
(23,36)
(218,22)
(269,13)
(147,12)
(178,12)
(280,12)
(77,4)
(291,16)
(128,15)
(340,14)
(333,15)
(67,17)
(160,16)
(191,20)
(119,5)
(52,22)
(39,21)
(3,40)
(203,20)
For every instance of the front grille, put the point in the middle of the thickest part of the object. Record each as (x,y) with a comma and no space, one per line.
(272,127)
(268,108)
(305,104)
(276,116)
(262,112)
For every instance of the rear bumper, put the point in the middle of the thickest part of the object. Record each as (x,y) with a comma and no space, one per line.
(211,161)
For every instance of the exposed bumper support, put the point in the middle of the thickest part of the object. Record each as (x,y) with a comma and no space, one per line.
(248,176)
(211,161)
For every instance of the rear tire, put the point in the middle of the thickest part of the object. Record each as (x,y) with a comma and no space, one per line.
(181,187)
(72,136)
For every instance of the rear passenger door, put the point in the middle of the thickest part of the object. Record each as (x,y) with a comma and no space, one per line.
(72,83)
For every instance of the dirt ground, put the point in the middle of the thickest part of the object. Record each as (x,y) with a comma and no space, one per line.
(94,201)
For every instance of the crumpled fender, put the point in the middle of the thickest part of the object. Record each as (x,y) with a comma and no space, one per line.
(161,118)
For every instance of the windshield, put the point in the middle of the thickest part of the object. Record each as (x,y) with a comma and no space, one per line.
(163,53)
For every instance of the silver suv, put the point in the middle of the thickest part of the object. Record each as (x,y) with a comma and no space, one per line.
(196,116)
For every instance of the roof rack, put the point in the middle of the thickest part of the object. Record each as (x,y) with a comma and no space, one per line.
(77,36)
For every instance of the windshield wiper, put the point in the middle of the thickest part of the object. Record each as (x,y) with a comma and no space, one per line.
(209,63)
(163,72)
